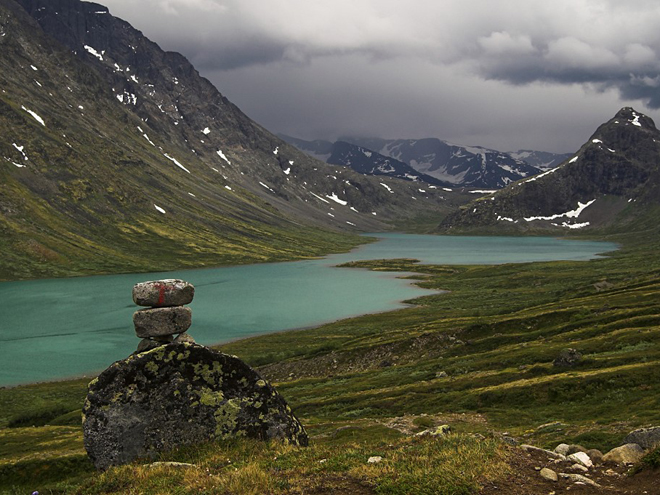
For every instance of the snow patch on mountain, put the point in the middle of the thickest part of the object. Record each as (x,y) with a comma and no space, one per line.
(569,214)
(20,150)
(94,52)
(266,186)
(319,197)
(635,120)
(176,162)
(222,155)
(336,199)
(35,116)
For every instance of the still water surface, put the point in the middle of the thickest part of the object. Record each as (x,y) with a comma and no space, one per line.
(57,328)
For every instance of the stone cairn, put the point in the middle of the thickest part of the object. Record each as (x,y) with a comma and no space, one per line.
(178,393)
(166,316)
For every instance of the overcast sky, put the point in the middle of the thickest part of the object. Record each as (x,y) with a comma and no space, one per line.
(506,74)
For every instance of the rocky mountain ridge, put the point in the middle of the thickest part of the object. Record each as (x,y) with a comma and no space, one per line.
(448,164)
(613,178)
(370,162)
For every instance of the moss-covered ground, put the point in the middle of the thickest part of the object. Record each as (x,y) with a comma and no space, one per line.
(478,357)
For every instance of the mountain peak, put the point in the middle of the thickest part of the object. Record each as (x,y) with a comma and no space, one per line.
(612,178)
(628,115)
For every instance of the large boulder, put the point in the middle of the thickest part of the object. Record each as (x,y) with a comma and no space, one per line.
(647,438)
(629,453)
(178,394)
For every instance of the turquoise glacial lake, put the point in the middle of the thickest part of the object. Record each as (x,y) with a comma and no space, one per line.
(58,328)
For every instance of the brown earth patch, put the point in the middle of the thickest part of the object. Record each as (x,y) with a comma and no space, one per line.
(526,480)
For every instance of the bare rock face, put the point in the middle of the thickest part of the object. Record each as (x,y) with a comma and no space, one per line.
(161,293)
(179,394)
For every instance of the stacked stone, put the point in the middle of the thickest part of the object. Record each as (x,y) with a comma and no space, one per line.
(166,316)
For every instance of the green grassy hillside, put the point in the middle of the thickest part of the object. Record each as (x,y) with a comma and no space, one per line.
(479,358)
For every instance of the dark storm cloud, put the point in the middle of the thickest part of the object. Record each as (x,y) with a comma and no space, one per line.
(632,68)
(456,69)
(251,52)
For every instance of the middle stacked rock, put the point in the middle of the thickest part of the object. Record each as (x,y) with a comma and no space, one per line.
(166,315)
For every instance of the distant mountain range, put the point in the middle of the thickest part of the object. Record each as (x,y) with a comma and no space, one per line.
(117,156)
(542,160)
(430,160)
(613,180)
(362,160)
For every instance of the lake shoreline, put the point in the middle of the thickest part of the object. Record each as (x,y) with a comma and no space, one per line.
(72,324)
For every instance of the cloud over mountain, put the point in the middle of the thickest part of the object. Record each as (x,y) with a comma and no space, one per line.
(593,46)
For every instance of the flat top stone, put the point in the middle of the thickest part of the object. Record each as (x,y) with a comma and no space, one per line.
(160,293)
(581,458)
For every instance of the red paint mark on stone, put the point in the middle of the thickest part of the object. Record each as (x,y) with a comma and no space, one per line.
(161,294)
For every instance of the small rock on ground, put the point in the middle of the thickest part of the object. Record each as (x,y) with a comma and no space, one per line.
(549,474)
(578,478)
(581,458)
(549,453)
(171,464)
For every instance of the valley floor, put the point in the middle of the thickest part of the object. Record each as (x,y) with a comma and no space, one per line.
(478,358)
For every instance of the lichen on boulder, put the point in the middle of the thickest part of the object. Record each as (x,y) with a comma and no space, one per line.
(180,394)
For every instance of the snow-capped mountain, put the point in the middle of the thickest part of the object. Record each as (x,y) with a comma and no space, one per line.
(448,164)
(612,180)
(458,165)
(362,160)
(369,162)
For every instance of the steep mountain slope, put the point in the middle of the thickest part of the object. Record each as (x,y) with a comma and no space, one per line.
(613,179)
(117,156)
